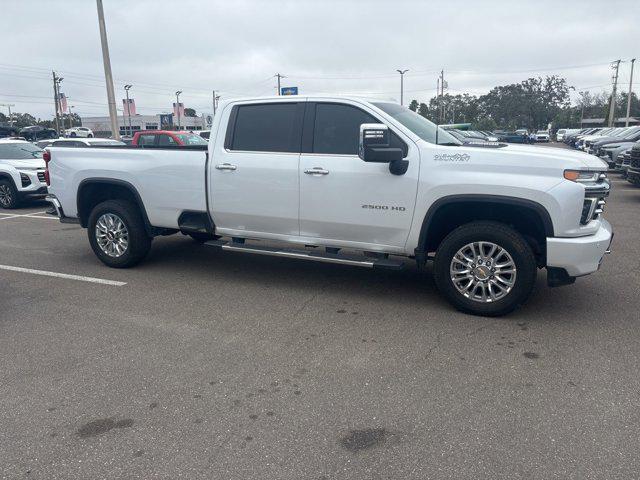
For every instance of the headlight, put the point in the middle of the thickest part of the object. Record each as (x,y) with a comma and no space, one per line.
(584,176)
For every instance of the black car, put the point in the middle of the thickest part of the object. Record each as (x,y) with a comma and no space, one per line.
(8,131)
(36,132)
(633,173)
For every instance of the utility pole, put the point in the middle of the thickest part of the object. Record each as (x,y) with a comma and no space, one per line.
(8,105)
(178,106)
(55,101)
(612,107)
(113,113)
(214,102)
(279,78)
(633,60)
(126,91)
(402,72)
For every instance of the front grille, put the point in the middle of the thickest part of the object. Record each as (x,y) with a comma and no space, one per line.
(634,157)
(41,177)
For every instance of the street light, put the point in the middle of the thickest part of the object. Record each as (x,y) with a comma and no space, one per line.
(402,72)
(178,106)
(126,89)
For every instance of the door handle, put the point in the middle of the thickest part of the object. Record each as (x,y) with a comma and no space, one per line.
(225,166)
(316,171)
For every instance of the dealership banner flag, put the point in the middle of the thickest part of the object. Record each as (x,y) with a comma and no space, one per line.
(130,108)
(178,109)
(62,100)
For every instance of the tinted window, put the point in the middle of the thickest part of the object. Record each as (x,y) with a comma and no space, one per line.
(266,128)
(337,129)
(68,144)
(166,140)
(146,139)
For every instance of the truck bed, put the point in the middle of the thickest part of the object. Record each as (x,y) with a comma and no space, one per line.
(170,180)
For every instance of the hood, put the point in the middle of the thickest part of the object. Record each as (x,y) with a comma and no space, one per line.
(29,164)
(551,156)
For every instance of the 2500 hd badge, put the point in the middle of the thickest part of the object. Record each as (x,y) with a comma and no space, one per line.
(384,207)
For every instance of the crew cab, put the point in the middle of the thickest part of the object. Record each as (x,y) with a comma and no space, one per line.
(352,182)
(166,138)
(22,172)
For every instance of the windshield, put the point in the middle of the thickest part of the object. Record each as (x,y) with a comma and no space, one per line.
(419,125)
(191,139)
(19,151)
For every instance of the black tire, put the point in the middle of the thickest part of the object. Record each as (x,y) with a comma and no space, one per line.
(8,194)
(90,136)
(139,243)
(201,237)
(73,135)
(503,236)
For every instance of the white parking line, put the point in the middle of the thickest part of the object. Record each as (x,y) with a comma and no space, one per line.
(7,216)
(63,275)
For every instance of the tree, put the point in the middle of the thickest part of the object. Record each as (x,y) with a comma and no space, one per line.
(190,112)
(413,106)
(485,124)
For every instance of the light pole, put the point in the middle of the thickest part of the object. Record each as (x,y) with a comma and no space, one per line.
(111,98)
(126,90)
(633,60)
(178,106)
(402,72)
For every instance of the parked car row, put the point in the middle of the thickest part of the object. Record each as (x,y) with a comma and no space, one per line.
(618,146)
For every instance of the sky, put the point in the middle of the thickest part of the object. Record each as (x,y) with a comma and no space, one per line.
(323,47)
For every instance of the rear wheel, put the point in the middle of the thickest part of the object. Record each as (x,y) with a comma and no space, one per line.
(117,234)
(8,194)
(485,268)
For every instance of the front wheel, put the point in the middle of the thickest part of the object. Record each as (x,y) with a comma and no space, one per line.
(8,194)
(485,268)
(117,234)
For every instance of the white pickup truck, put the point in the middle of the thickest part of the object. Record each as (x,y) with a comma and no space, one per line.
(353,182)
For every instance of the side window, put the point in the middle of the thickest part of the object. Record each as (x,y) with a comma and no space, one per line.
(273,127)
(166,141)
(146,140)
(337,129)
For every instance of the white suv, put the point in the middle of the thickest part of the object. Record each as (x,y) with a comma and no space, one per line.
(79,132)
(22,172)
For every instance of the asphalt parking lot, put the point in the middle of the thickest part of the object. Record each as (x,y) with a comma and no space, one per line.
(204,364)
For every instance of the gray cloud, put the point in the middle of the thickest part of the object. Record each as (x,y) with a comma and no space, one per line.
(321,46)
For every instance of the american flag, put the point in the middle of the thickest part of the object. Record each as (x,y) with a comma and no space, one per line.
(62,99)
(178,108)
(129,109)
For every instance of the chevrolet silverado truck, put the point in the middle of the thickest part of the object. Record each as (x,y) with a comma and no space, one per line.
(351,182)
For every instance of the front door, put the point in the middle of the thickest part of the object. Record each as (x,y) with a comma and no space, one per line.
(343,199)
(254,174)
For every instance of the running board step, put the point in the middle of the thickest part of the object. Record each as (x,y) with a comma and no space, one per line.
(353,260)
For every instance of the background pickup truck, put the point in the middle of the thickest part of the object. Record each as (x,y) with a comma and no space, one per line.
(166,138)
(334,176)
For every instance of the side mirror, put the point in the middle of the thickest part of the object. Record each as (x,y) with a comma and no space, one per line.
(374,144)
(374,147)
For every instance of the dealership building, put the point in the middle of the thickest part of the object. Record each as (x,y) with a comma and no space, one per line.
(101,126)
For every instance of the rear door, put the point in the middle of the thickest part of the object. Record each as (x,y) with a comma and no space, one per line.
(254,170)
(343,199)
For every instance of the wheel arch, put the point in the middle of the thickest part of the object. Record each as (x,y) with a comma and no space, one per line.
(92,191)
(447,213)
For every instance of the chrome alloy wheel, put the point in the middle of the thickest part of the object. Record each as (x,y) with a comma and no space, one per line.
(112,235)
(5,195)
(483,272)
